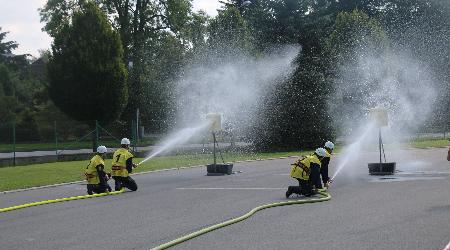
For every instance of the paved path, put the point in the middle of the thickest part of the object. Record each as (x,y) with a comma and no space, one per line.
(89,151)
(411,211)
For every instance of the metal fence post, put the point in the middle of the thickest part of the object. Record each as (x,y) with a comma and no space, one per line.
(133,134)
(137,127)
(14,143)
(96,134)
(56,141)
(445,130)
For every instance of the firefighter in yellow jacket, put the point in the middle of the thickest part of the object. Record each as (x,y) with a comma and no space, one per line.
(95,174)
(307,172)
(122,166)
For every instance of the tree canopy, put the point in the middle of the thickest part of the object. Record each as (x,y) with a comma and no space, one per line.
(161,37)
(86,72)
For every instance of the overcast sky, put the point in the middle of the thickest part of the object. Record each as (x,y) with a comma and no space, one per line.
(21,19)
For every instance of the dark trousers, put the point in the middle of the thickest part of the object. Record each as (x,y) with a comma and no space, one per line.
(314,177)
(324,170)
(303,188)
(127,182)
(98,188)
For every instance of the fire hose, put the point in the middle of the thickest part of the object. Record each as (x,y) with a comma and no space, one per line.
(38,203)
(325,197)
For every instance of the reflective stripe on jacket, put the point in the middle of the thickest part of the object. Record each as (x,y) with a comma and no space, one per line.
(301,169)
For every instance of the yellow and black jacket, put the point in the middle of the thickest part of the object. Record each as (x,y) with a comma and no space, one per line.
(96,164)
(301,169)
(122,163)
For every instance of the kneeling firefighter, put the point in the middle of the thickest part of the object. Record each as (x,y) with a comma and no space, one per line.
(95,174)
(122,166)
(307,171)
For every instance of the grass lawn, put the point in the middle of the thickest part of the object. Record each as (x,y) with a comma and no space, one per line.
(429,143)
(24,147)
(59,172)
(50,173)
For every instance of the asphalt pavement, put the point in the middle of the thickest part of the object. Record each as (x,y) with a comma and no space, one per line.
(410,210)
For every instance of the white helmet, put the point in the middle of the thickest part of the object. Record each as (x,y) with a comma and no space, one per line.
(101,149)
(125,141)
(329,145)
(321,152)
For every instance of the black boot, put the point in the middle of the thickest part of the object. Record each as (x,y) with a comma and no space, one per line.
(89,189)
(289,191)
(296,190)
(117,185)
(308,192)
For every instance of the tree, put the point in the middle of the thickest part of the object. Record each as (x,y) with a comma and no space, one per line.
(86,71)
(296,116)
(196,31)
(9,104)
(7,81)
(139,23)
(14,62)
(58,13)
(163,60)
(354,32)
(6,47)
(356,39)
(229,34)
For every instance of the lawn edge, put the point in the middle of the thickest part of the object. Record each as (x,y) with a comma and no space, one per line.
(140,173)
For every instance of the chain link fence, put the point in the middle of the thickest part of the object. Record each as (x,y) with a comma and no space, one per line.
(435,132)
(63,140)
(59,138)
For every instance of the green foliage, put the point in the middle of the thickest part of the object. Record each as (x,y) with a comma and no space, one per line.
(86,72)
(6,81)
(9,109)
(296,115)
(354,37)
(18,89)
(141,24)
(57,13)
(27,128)
(229,33)
(177,14)
(15,62)
(6,47)
(355,33)
(163,59)
(160,36)
(196,30)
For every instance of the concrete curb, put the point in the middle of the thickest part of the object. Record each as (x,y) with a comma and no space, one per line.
(40,187)
(140,173)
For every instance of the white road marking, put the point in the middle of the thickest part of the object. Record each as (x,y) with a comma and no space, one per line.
(392,179)
(423,172)
(447,247)
(219,188)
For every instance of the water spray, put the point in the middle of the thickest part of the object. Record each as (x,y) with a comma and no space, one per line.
(378,119)
(353,149)
(180,137)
